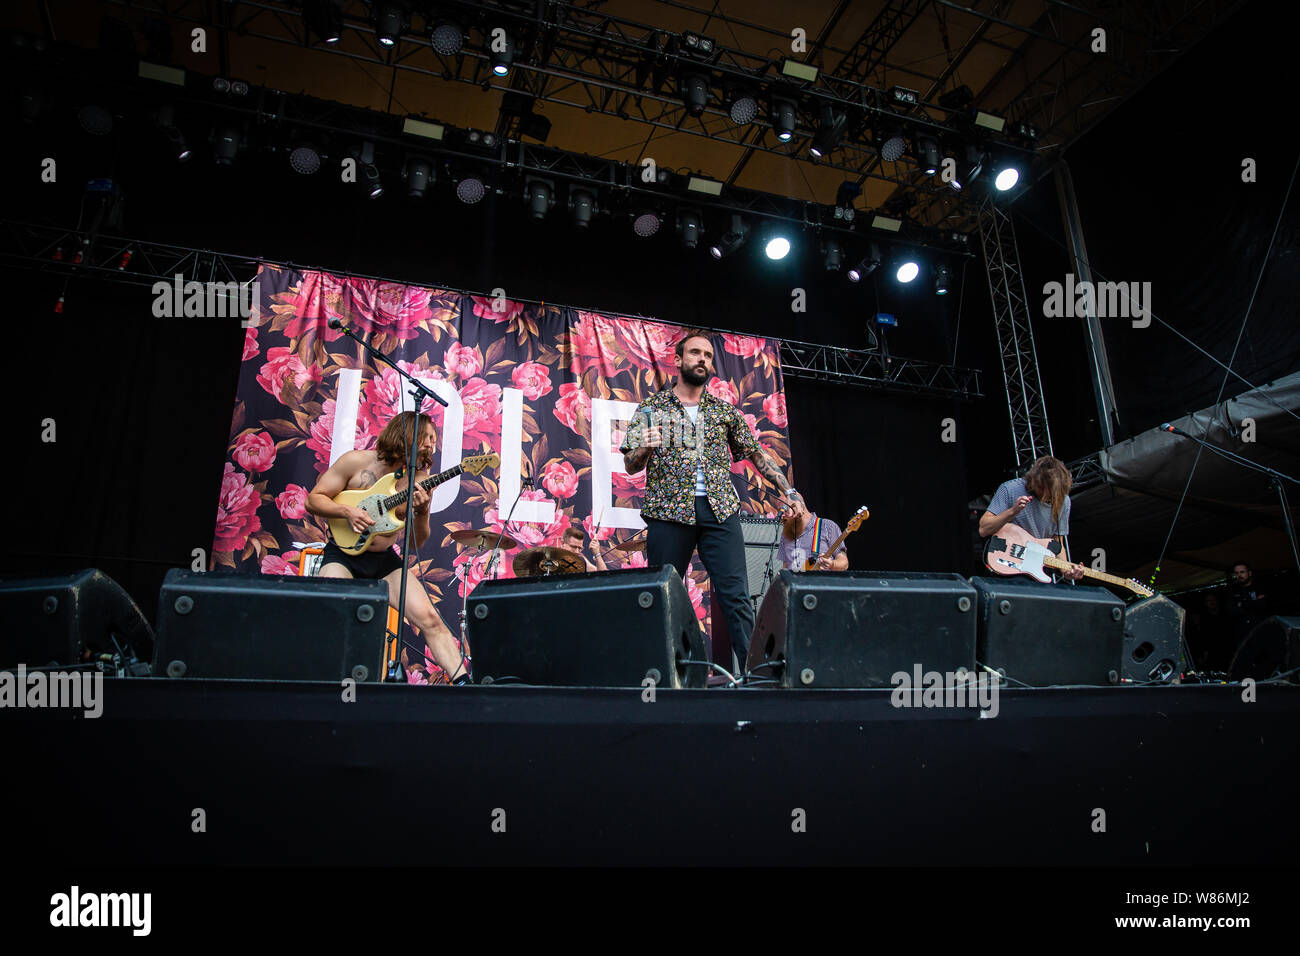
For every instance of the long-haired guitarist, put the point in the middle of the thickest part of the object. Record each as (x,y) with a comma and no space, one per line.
(359,470)
(1039,502)
(806,537)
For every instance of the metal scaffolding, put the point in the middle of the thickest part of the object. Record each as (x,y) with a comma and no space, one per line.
(1011,319)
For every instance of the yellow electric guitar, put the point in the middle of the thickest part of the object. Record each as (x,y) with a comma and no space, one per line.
(380,501)
(859,516)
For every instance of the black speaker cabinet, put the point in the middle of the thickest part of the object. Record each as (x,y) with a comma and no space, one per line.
(1047,634)
(605,629)
(270,627)
(1271,648)
(1153,641)
(69,619)
(859,628)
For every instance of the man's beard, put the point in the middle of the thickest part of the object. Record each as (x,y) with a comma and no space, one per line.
(692,377)
(790,526)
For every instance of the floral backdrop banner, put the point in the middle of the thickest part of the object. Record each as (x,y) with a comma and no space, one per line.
(549,389)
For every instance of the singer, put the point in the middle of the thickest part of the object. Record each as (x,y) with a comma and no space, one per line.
(686,441)
(1038,502)
(361,469)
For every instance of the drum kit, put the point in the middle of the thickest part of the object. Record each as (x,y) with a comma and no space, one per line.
(533,562)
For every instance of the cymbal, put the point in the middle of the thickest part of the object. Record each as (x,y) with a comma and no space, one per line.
(482,538)
(543,561)
(632,544)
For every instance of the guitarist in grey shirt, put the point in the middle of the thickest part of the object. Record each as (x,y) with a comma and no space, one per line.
(1038,502)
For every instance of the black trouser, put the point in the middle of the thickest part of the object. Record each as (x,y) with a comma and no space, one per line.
(722,550)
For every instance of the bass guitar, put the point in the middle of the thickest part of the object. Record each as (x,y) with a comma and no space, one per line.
(859,516)
(380,501)
(1013,550)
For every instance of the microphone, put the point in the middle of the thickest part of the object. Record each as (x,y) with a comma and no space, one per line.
(527,480)
(335,323)
(1166,427)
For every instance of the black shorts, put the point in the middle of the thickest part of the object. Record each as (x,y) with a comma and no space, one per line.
(367,564)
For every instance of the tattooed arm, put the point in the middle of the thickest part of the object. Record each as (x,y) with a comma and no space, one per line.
(640,441)
(772,472)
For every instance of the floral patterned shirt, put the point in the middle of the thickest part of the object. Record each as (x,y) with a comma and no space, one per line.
(719,435)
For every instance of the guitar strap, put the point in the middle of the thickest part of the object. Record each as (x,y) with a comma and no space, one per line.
(817,537)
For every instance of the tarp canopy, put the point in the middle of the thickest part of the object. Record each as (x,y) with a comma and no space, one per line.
(1230,513)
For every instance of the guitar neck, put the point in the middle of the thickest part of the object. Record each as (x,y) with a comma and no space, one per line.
(836,544)
(393,501)
(1061,565)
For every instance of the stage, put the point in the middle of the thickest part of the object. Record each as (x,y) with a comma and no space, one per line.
(290,773)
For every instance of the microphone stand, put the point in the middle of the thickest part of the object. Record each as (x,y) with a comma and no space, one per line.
(418,393)
(1275,479)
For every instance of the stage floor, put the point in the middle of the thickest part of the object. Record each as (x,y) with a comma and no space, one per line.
(291,773)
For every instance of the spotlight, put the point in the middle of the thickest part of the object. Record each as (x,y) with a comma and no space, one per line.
(833,253)
(374,187)
(941,278)
(829,131)
(226,145)
(501,51)
(238,88)
(448,37)
(689,228)
(893,146)
(777,245)
(582,204)
(220,84)
(974,164)
(1007,177)
(927,154)
(693,44)
(418,174)
(325,18)
(95,120)
(183,151)
(304,159)
(540,197)
(784,117)
(867,266)
(645,222)
(844,197)
(695,92)
(907,271)
(732,239)
(390,20)
(741,106)
(470,188)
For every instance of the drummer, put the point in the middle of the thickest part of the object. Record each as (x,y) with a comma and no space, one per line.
(573,539)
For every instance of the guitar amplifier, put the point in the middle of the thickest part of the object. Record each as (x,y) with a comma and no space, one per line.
(762,539)
(69,619)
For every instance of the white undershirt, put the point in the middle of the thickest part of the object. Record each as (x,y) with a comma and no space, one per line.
(700,489)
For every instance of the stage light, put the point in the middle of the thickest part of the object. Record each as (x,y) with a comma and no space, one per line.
(907,271)
(689,228)
(695,92)
(784,117)
(893,146)
(95,120)
(702,184)
(870,262)
(900,96)
(732,239)
(238,88)
(419,173)
(448,37)
(582,204)
(374,186)
(304,159)
(220,84)
(501,58)
(1007,177)
(777,245)
(829,131)
(539,196)
(226,145)
(390,19)
(325,18)
(470,188)
(700,47)
(183,151)
(741,106)
(802,72)
(844,197)
(645,223)
(957,99)
(942,275)
(833,255)
(974,165)
(927,154)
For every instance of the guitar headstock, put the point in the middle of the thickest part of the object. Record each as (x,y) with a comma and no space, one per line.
(476,464)
(859,516)
(1141,590)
